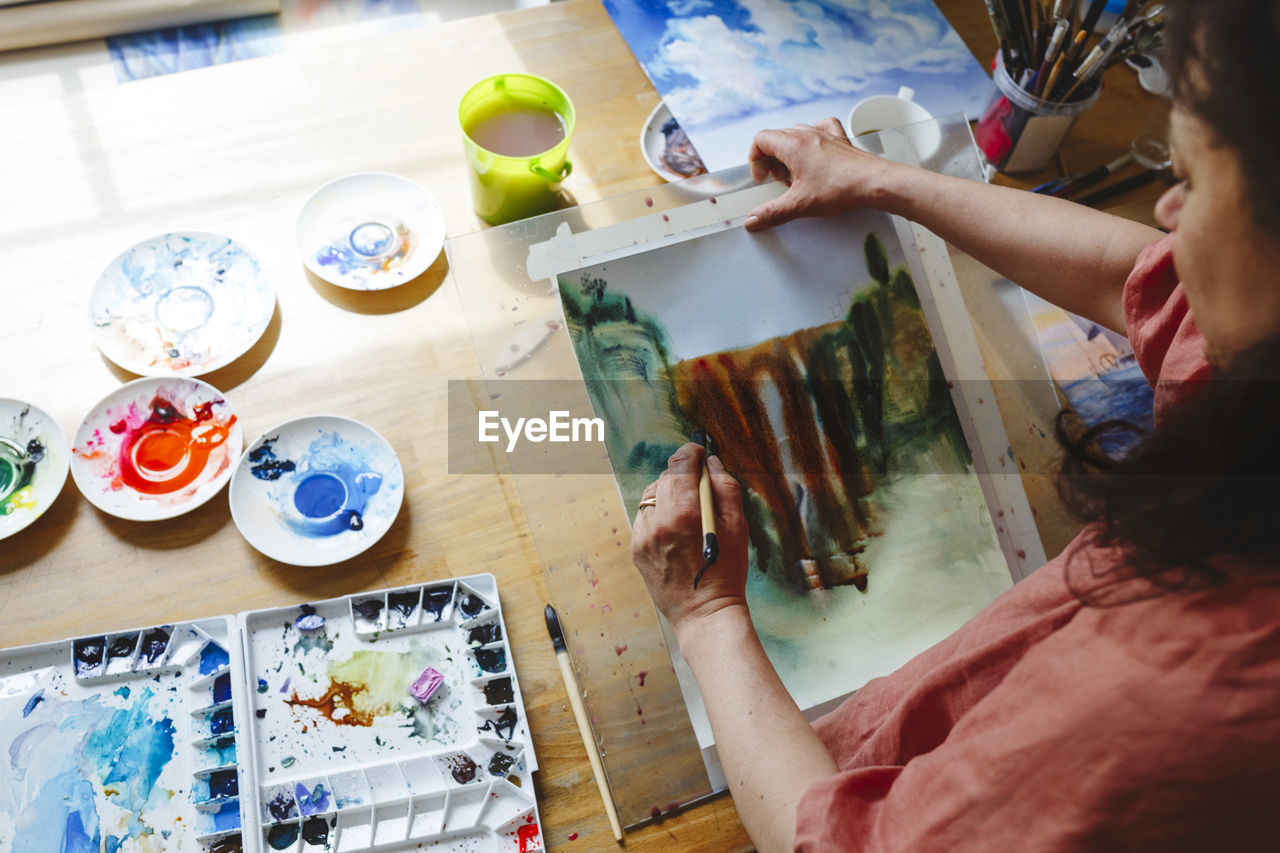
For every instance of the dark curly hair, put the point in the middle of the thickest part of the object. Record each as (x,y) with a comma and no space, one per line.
(1221,56)
(1207,481)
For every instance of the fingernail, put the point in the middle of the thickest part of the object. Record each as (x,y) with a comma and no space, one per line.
(752,221)
(714,463)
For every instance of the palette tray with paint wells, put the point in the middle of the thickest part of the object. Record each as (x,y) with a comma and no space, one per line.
(389,721)
(380,721)
(120,739)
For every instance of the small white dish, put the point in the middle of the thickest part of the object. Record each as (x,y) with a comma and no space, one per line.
(667,149)
(156,448)
(33,464)
(316,490)
(180,304)
(370,231)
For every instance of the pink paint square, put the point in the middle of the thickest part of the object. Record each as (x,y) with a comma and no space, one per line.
(426,684)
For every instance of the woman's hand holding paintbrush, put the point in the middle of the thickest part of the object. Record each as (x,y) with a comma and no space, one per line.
(667,539)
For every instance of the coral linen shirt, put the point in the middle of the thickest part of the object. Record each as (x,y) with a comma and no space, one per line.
(1047,724)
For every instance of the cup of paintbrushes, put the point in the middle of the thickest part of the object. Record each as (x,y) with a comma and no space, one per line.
(1020,131)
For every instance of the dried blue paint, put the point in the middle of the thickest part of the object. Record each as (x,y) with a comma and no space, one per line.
(224,783)
(482,635)
(507,720)
(282,836)
(35,700)
(265,464)
(369,609)
(222,751)
(154,642)
(436,600)
(262,685)
(222,687)
(222,722)
(282,806)
(87,655)
(472,605)
(491,660)
(122,691)
(311,802)
(226,817)
(315,831)
(309,620)
(500,763)
(212,658)
(122,647)
(403,603)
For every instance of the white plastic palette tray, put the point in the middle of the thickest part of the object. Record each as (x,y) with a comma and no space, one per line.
(290,729)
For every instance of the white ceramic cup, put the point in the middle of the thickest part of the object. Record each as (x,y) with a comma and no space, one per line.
(882,112)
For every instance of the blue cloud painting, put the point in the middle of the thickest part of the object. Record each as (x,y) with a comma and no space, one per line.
(728,68)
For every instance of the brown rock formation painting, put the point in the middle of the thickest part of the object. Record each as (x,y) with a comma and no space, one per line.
(813,423)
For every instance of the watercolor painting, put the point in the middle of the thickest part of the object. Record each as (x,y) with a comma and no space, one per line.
(343,740)
(317,490)
(370,231)
(806,356)
(729,68)
(182,304)
(34,459)
(1096,370)
(156,448)
(117,741)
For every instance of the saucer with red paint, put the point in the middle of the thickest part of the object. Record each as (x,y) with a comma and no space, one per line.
(156,448)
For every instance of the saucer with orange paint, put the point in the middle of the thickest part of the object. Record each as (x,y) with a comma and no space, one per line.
(156,448)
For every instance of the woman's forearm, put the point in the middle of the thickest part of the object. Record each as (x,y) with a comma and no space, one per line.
(1071,255)
(769,752)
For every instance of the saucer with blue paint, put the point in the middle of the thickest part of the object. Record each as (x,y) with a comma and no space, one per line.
(180,304)
(370,231)
(33,464)
(316,490)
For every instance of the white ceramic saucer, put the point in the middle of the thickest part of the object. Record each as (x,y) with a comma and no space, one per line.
(666,148)
(370,231)
(180,304)
(156,448)
(33,464)
(316,490)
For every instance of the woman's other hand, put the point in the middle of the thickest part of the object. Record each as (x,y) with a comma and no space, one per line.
(824,173)
(666,540)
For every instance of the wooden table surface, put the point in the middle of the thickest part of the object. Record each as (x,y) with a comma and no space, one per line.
(236,149)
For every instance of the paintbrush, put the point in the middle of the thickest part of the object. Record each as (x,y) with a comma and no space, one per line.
(1110,191)
(1091,17)
(1050,55)
(1089,177)
(1000,27)
(710,548)
(580,714)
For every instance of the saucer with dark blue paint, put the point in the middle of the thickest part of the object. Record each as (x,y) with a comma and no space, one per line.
(316,490)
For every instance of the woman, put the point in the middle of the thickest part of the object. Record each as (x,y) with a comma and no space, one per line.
(1127,694)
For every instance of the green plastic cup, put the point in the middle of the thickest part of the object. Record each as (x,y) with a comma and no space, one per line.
(505,188)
